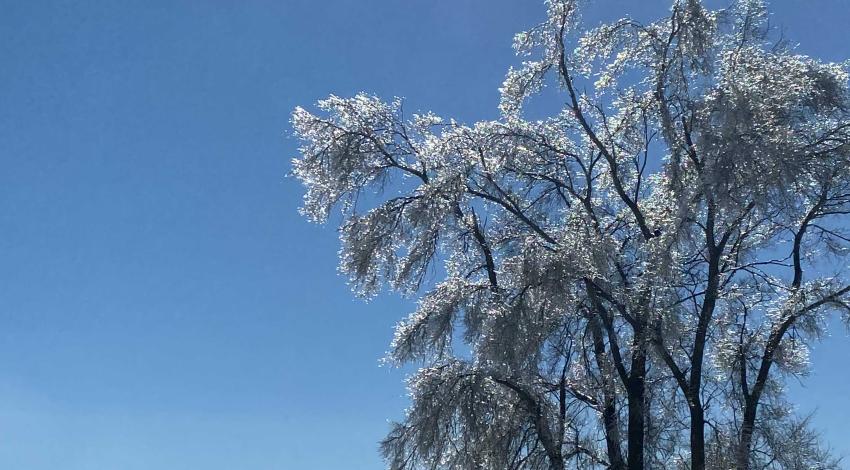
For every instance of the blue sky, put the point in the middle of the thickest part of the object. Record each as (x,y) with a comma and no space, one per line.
(163,305)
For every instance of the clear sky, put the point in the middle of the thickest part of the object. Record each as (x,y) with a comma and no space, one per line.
(162,304)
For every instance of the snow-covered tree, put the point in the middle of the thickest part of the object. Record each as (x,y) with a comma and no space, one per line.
(625,284)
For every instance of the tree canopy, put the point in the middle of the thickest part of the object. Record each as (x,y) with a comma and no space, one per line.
(624,284)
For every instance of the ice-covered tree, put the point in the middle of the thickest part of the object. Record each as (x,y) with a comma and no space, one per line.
(625,284)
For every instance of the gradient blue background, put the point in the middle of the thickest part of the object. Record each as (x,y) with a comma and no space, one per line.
(162,304)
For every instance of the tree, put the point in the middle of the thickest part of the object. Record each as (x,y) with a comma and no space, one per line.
(626,284)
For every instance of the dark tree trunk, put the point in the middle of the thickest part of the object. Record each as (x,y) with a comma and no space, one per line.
(609,409)
(610,418)
(742,457)
(612,434)
(693,393)
(697,436)
(636,396)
